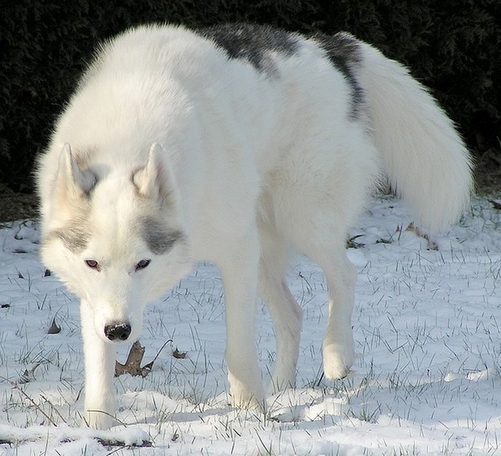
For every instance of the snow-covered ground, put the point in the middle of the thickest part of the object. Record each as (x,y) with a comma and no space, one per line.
(427,379)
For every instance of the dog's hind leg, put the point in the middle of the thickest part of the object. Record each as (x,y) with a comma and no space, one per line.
(99,406)
(338,346)
(319,231)
(286,314)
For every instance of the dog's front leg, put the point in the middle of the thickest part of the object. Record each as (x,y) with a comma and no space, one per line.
(99,372)
(239,270)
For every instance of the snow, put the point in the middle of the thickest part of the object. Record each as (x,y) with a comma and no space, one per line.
(427,379)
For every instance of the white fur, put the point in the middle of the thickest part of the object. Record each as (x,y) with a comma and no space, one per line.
(242,167)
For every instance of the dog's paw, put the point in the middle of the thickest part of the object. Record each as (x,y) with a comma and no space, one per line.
(282,382)
(338,359)
(97,420)
(248,402)
(250,398)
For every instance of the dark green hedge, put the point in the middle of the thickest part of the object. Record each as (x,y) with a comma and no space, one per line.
(453,46)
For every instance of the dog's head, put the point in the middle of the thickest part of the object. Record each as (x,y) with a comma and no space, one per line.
(117,243)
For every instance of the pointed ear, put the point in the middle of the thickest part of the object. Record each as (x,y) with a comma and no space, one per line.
(72,183)
(155,180)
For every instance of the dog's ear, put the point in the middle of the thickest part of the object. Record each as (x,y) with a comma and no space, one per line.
(72,182)
(155,180)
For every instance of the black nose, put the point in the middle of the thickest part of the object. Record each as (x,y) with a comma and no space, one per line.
(117,332)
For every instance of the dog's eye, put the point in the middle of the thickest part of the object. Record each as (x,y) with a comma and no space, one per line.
(142,264)
(93,264)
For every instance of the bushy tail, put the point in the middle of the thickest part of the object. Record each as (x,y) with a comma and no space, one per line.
(424,157)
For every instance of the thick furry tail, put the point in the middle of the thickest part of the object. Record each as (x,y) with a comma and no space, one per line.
(424,158)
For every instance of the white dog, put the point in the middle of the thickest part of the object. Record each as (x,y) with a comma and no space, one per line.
(233,145)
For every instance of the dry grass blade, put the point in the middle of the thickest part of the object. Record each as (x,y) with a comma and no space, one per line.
(147,367)
(16,386)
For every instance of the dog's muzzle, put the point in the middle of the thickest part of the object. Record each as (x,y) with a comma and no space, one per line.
(117,332)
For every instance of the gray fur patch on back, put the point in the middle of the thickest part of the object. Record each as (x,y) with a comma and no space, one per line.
(343,50)
(253,43)
(158,238)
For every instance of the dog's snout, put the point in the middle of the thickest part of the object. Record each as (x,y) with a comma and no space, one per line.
(117,332)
